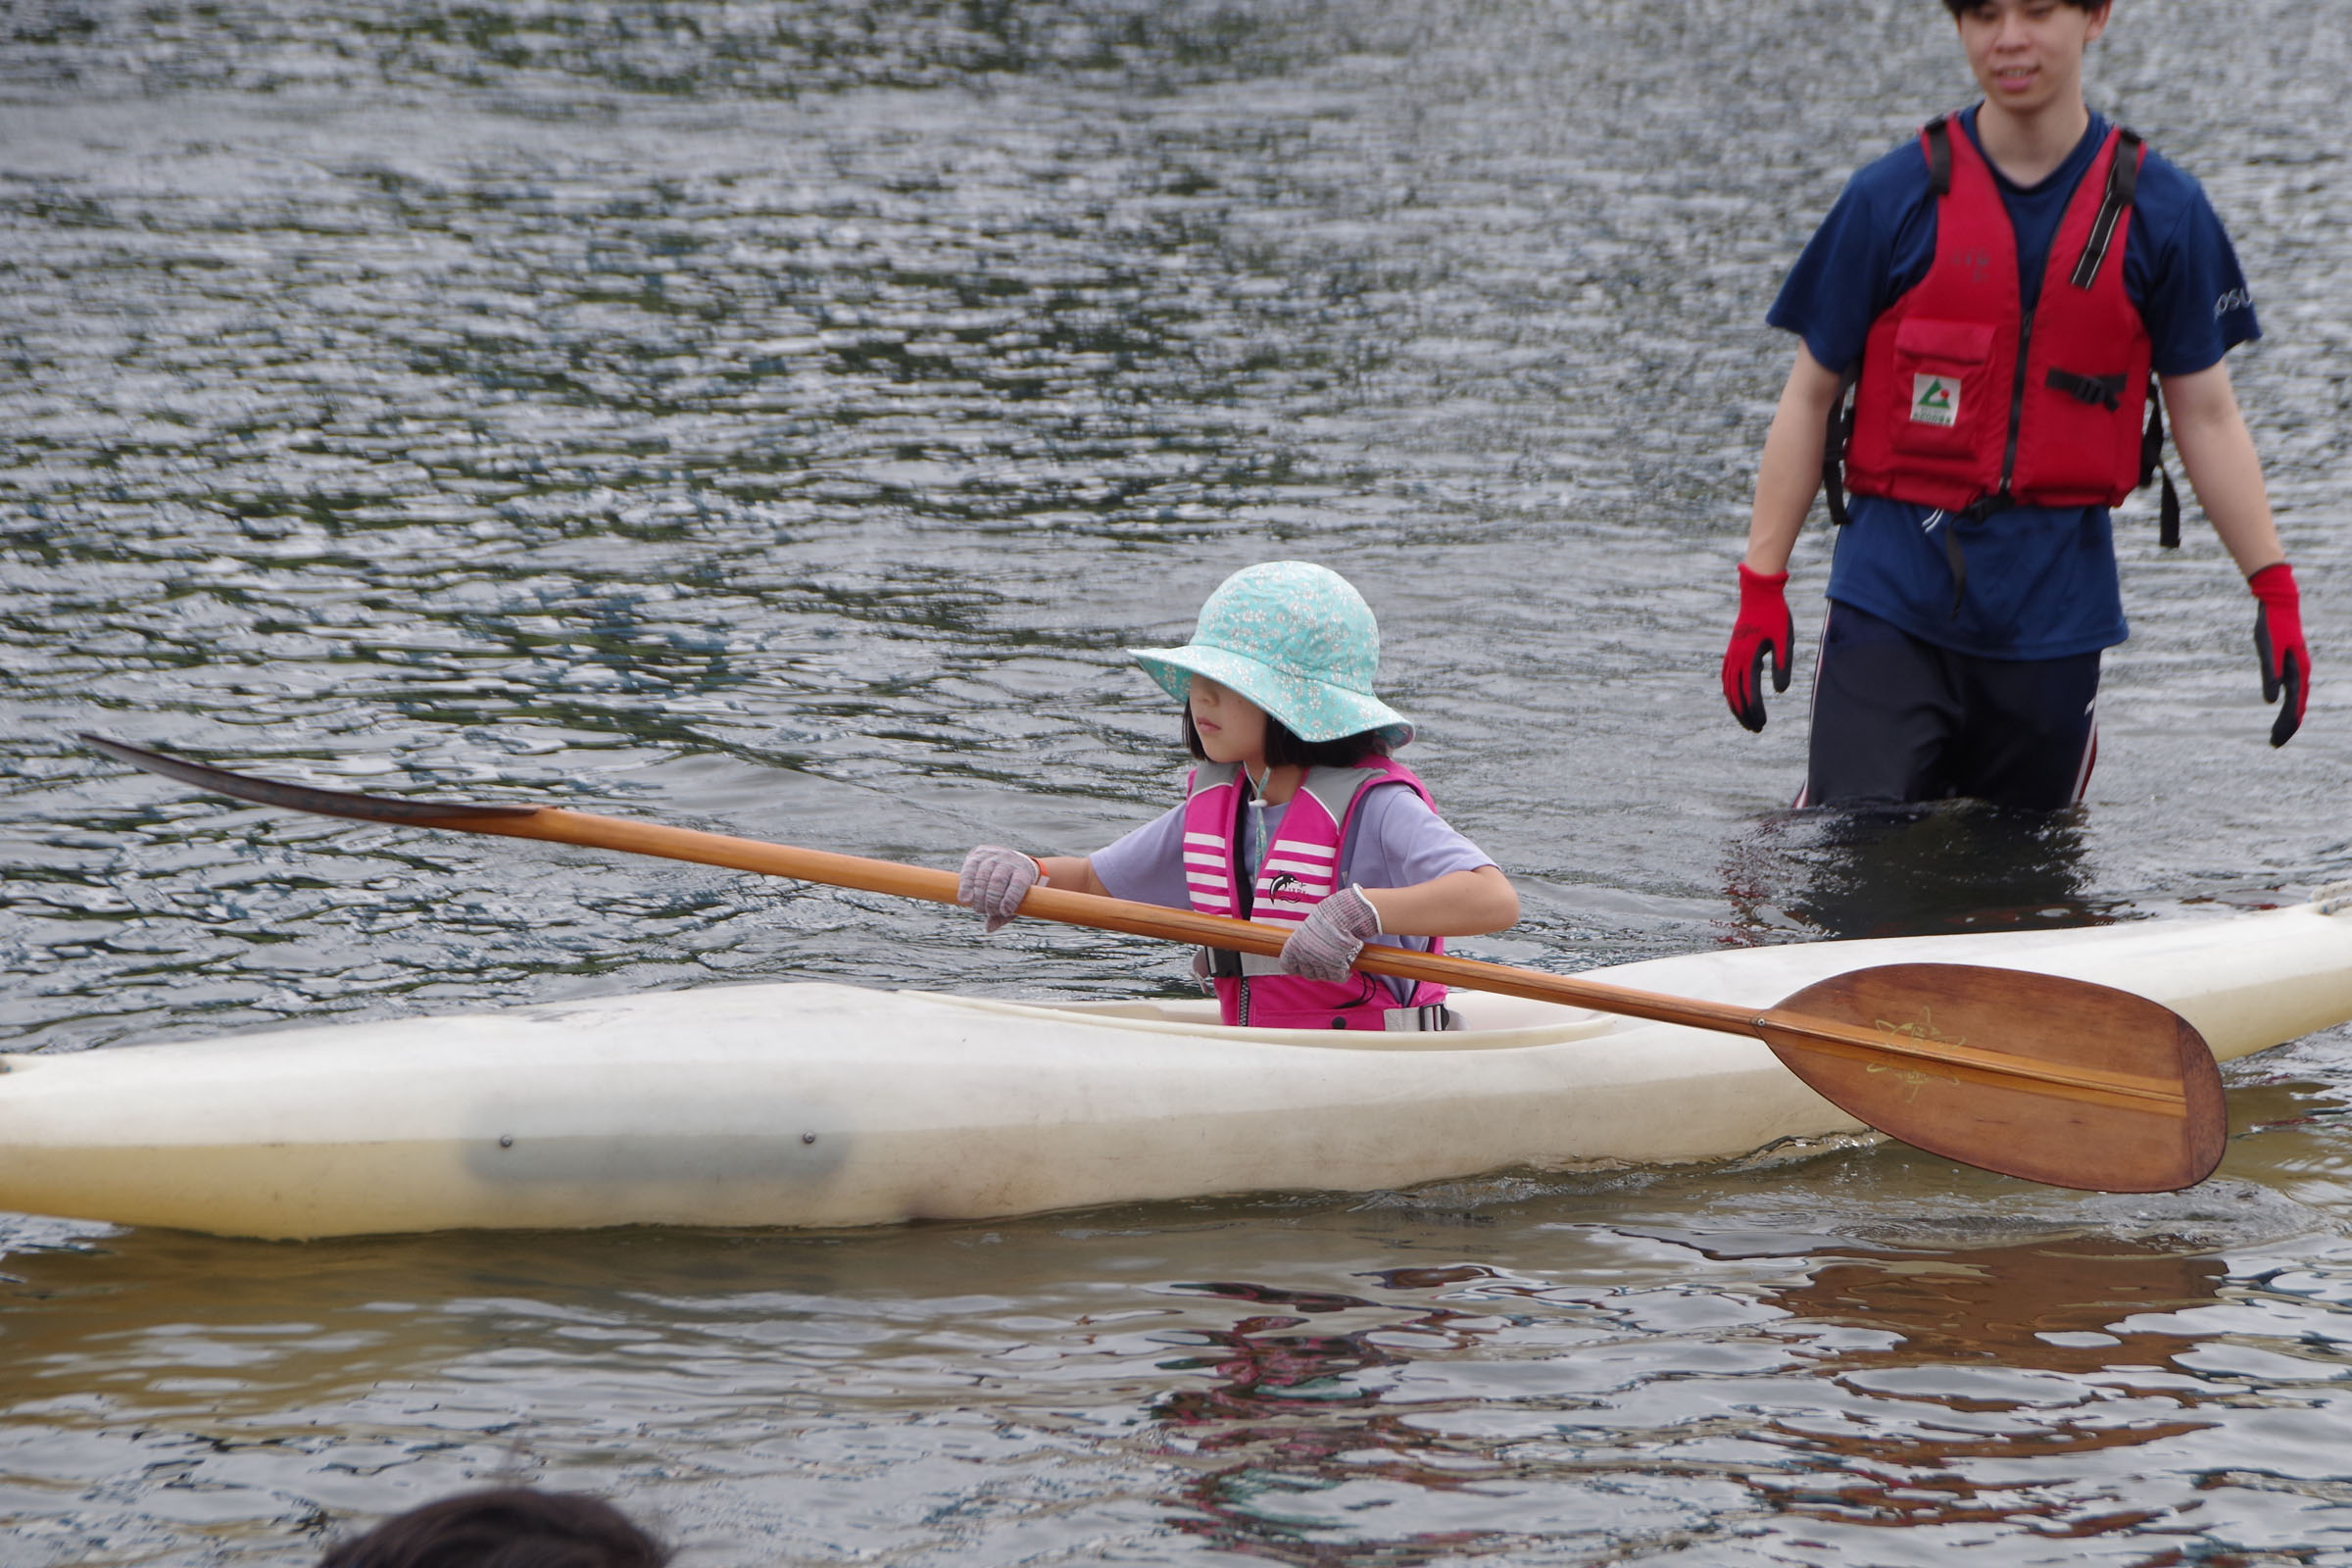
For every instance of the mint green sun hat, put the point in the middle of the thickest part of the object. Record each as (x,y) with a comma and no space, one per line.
(1294,638)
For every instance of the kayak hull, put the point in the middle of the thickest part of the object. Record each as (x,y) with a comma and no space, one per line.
(818,1105)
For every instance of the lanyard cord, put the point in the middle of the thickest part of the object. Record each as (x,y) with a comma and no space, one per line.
(1253,841)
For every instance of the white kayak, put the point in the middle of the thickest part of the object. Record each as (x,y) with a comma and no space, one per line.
(814,1105)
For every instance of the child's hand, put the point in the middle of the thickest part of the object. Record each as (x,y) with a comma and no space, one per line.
(1334,932)
(995,880)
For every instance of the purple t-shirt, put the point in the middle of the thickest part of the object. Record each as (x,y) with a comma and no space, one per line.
(1395,841)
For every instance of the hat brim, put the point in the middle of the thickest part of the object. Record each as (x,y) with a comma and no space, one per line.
(1311,709)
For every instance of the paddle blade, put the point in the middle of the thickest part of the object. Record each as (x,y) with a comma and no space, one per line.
(305,797)
(2054,1080)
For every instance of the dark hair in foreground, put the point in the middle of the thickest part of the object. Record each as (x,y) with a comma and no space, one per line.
(1286,749)
(510,1526)
(1961,8)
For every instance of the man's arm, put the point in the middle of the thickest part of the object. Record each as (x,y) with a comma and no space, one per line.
(2219,455)
(2216,449)
(1790,475)
(1786,481)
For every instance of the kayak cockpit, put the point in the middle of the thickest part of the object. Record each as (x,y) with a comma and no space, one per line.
(1488,1022)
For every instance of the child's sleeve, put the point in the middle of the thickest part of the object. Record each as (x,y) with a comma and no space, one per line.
(1147,863)
(1400,842)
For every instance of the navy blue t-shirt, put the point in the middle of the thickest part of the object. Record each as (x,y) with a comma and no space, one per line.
(2042,580)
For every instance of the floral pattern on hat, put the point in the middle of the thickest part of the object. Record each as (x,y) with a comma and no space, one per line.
(1296,639)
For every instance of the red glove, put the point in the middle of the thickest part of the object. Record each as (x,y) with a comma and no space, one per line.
(1763,627)
(2278,641)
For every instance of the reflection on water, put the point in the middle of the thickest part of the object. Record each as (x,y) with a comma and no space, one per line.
(1910,1369)
(1603,1370)
(2042,1306)
(778,419)
(1911,870)
(2014,1353)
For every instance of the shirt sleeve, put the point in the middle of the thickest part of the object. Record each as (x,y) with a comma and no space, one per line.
(2183,272)
(1875,243)
(1397,842)
(1147,863)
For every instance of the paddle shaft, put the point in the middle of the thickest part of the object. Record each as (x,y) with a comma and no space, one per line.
(561,827)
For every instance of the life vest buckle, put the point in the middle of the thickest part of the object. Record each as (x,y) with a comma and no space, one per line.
(2099,391)
(1220,964)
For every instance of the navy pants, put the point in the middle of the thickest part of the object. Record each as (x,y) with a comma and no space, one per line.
(1899,719)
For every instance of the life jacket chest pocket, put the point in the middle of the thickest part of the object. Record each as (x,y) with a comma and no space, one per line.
(1942,396)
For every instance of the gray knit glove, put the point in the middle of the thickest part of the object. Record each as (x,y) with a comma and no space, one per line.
(1334,932)
(994,881)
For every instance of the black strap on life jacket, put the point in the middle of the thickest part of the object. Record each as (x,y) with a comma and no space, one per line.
(2122,181)
(1955,560)
(2099,391)
(1939,132)
(1835,436)
(2151,463)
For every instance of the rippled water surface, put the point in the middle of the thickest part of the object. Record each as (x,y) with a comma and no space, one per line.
(777,419)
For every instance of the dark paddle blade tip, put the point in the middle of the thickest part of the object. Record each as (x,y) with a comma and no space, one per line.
(296,796)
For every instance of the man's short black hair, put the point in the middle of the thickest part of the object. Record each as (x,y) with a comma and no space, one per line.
(1284,748)
(1961,8)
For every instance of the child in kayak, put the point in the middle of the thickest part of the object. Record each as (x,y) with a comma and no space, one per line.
(1297,816)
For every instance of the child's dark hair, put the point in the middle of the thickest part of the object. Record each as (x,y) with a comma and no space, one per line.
(1285,749)
(1961,8)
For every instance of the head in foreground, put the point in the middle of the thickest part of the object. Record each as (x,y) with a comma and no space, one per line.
(509,1527)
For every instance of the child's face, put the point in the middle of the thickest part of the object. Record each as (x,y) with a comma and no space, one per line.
(2027,54)
(1232,727)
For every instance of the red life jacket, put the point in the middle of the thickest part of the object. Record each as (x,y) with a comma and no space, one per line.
(1301,867)
(1972,404)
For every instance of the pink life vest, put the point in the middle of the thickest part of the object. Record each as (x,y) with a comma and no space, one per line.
(1301,868)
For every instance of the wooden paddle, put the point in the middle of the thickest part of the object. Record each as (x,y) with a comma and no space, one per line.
(2055,1080)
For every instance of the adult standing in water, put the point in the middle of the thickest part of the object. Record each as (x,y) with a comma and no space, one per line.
(1997,292)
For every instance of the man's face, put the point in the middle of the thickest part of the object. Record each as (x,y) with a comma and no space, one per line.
(2027,54)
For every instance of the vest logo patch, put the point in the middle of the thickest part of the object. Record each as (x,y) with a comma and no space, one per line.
(1934,400)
